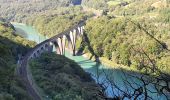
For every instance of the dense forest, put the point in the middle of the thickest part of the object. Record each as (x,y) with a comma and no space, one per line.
(126,38)
(122,40)
(18,10)
(118,4)
(50,24)
(11,46)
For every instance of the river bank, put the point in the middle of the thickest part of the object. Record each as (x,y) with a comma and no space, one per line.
(29,32)
(110,64)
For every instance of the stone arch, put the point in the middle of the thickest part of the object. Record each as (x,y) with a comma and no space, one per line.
(38,51)
(34,55)
(56,46)
(42,48)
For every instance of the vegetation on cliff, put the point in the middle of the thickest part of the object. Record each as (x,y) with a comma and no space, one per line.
(11,46)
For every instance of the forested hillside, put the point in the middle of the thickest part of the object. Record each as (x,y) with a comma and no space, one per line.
(11,46)
(129,35)
(17,10)
(63,79)
(55,22)
(116,4)
(122,41)
(49,18)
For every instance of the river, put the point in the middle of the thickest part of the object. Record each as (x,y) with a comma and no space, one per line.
(100,73)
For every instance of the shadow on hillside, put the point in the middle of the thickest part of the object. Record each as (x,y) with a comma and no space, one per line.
(86,42)
(10,83)
(15,48)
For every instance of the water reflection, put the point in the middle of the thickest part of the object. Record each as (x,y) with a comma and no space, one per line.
(29,32)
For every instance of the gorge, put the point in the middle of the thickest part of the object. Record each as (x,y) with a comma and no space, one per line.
(101,73)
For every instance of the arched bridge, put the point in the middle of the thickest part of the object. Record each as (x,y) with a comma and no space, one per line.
(59,41)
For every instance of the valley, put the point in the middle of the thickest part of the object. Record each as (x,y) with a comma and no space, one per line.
(126,43)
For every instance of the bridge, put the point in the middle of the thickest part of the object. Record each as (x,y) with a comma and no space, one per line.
(59,42)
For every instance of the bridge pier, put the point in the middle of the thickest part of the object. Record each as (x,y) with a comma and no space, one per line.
(57,50)
(64,44)
(80,29)
(59,42)
(73,41)
(60,45)
(50,47)
(46,47)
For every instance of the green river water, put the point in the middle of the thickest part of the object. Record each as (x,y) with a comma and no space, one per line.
(99,72)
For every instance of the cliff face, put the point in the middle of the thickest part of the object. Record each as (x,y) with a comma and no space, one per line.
(63,79)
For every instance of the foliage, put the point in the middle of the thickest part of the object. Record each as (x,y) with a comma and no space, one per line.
(122,41)
(19,9)
(63,79)
(165,15)
(97,4)
(11,46)
(51,25)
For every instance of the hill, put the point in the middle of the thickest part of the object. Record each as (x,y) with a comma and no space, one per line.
(11,47)
(12,9)
(63,79)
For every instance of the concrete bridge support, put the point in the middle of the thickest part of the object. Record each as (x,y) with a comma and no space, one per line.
(50,47)
(80,30)
(57,50)
(46,47)
(59,42)
(64,44)
(73,41)
(60,45)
